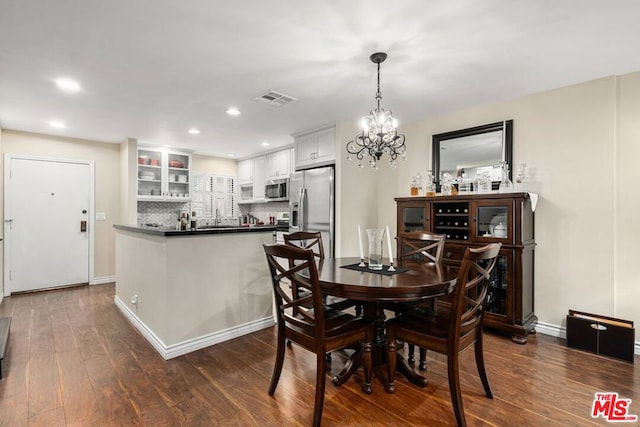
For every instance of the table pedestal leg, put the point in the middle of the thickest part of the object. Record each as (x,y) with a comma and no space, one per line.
(350,367)
(375,311)
(410,374)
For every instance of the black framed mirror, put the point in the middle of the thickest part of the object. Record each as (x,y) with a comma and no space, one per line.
(472,151)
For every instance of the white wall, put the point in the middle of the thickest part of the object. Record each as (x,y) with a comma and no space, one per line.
(581,143)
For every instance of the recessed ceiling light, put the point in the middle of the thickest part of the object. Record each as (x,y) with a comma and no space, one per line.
(230,155)
(57,124)
(194,131)
(233,111)
(265,144)
(68,85)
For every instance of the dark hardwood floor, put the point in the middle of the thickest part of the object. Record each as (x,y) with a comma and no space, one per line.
(73,359)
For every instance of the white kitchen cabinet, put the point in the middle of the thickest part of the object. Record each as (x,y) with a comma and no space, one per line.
(259,177)
(245,171)
(278,164)
(252,174)
(315,148)
(163,175)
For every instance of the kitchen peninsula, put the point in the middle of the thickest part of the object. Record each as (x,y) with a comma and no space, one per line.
(186,290)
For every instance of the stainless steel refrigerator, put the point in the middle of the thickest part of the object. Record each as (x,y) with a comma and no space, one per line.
(311,204)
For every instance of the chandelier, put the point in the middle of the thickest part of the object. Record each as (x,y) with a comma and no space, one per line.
(379,131)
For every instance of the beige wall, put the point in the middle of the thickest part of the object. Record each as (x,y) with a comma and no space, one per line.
(1,222)
(215,165)
(107,183)
(128,182)
(581,143)
(356,195)
(626,285)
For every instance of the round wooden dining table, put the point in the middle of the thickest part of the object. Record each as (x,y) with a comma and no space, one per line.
(373,289)
(418,282)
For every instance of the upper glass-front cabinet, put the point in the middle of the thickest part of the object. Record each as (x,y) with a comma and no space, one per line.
(163,175)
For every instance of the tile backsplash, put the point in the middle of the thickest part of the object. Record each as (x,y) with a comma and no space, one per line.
(263,210)
(166,214)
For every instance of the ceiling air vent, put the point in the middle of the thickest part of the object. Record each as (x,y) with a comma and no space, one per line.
(275,99)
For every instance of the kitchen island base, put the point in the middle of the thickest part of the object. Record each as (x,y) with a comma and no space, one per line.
(187,292)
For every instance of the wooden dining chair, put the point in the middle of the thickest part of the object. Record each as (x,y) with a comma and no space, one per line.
(308,322)
(418,247)
(306,240)
(449,330)
(313,240)
(414,249)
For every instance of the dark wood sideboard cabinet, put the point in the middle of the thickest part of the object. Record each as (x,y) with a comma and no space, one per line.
(472,221)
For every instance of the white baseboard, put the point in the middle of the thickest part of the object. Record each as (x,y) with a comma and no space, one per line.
(561,332)
(553,330)
(175,350)
(102,280)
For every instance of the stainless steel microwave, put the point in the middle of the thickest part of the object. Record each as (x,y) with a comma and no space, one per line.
(277,189)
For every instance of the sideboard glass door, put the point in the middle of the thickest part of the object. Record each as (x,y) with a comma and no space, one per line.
(415,218)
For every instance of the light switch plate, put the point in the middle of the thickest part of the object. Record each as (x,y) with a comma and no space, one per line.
(101,216)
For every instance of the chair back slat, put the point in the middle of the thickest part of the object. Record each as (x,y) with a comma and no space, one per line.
(306,240)
(420,247)
(471,288)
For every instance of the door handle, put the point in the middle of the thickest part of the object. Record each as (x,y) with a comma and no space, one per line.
(83,226)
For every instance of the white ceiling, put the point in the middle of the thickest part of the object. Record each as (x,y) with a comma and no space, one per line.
(152,69)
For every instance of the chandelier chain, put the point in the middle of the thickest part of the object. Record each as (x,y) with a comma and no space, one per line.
(378,93)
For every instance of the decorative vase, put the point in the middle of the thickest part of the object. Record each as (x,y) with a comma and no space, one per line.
(375,236)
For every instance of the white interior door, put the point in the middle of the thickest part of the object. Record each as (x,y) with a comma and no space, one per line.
(47,211)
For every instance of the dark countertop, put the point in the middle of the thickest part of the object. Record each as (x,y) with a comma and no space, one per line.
(168,232)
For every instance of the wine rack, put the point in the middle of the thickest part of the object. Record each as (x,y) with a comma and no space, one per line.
(452,220)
